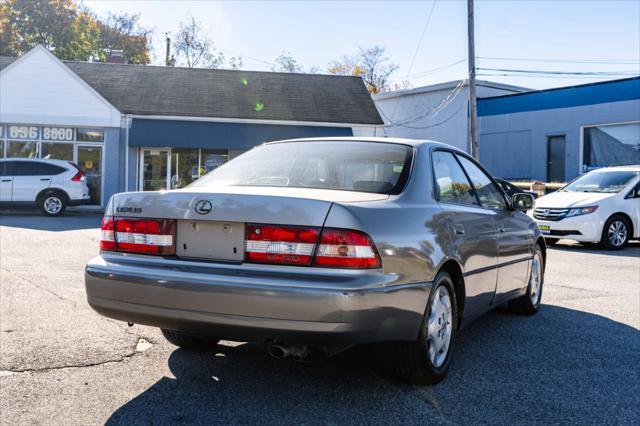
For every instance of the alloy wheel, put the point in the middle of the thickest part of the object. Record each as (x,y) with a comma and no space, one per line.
(439,326)
(535,281)
(617,233)
(53,205)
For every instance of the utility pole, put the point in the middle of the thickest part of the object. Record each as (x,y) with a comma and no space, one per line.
(166,60)
(473,108)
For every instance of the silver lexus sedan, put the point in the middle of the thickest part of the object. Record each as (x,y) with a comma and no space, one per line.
(315,245)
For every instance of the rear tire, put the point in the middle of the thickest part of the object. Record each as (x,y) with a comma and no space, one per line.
(52,203)
(190,341)
(615,233)
(426,360)
(529,304)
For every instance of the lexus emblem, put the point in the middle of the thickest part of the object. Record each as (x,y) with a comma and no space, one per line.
(203,207)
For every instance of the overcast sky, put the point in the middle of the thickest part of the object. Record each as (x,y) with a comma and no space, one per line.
(594,35)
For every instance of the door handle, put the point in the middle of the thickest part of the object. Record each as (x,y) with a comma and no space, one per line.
(45,178)
(6,180)
(459,229)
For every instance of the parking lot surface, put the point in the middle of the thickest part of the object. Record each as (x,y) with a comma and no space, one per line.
(61,363)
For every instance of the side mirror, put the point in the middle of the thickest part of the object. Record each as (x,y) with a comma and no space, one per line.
(522,202)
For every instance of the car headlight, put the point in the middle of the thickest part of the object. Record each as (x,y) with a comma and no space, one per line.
(580,211)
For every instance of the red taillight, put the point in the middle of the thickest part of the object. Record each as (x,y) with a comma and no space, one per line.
(78,177)
(286,245)
(344,248)
(133,235)
(107,235)
(339,248)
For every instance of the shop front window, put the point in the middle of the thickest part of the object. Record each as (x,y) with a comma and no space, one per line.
(184,167)
(22,149)
(89,135)
(56,151)
(212,159)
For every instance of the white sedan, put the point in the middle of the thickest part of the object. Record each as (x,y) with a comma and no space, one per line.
(602,206)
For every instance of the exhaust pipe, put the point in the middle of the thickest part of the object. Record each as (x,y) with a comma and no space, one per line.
(278,351)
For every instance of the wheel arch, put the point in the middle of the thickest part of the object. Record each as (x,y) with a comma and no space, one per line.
(52,190)
(453,268)
(543,246)
(627,218)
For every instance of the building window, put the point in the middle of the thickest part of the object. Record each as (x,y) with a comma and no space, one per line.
(56,151)
(185,166)
(610,145)
(24,149)
(89,135)
(79,145)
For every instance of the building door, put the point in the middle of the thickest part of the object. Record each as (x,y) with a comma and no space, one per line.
(90,162)
(154,169)
(555,158)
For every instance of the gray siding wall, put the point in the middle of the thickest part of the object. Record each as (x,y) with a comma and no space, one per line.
(514,146)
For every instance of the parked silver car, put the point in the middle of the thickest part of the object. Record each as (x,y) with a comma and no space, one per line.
(315,245)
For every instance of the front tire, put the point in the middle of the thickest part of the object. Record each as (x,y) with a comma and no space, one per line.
(615,233)
(52,203)
(426,360)
(550,241)
(190,341)
(529,304)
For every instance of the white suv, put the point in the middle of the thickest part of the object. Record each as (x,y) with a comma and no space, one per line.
(51,185)
(602,206)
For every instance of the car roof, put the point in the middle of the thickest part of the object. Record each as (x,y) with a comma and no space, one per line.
(400,141)
(62,163)
(629,168)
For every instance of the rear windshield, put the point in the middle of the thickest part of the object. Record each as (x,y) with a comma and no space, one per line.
(381,168)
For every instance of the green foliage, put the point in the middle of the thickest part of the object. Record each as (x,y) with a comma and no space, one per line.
(69,31)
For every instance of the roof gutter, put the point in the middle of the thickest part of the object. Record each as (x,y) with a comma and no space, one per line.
(252,121)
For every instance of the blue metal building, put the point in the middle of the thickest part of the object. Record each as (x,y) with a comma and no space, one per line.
(557,134)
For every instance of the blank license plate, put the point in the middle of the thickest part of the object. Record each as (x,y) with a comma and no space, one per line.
(544,229)
(210,240)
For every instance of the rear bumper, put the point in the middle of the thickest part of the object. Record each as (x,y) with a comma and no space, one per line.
(257,302)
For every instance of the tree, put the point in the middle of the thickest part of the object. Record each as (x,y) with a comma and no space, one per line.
(286,63)
(68,30)
(194,48)
(124,32)
(371,64)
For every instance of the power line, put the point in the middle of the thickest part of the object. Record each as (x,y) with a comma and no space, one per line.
(424,31)
(463,106)
(431,71)
(551,72)
(549,76)
(566,61)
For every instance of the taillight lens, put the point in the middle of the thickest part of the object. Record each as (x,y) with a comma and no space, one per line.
(344,248)
(78,177)
(285,245)
(134,235)
(107,234)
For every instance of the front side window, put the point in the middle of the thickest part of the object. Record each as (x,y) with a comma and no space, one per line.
(601,181)
(451,183)
(488,193)
(381,168)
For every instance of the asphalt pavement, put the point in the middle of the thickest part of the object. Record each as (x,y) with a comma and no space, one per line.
(576,361)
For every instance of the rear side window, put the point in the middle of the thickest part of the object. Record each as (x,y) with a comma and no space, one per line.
(488,193)
(381,168)
(451,183)
(32,168)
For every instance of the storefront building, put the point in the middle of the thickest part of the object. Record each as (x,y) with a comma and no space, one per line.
(131,127)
